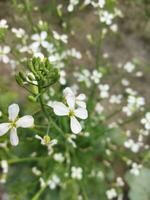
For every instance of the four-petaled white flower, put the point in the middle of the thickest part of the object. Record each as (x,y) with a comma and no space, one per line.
(14,123)
(3,54)
(39,40)
(146,121)
(70,110)
(76,173)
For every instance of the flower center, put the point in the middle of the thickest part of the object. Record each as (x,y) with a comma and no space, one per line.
(71,113)
(13,124)
(46,139)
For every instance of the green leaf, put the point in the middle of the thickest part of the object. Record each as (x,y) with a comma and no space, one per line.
(139,185)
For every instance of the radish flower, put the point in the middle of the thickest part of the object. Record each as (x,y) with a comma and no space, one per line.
(26,121)
(61,109)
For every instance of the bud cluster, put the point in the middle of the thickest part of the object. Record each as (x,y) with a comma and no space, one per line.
(42,73)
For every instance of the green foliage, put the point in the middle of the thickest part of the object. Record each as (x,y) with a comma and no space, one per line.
(139,185)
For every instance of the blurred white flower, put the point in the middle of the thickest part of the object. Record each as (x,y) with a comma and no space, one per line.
(146,121)
(59,157)
(129,67)
(39,40)
(26,121)
(106,17)
(115,99)
(99,4)
(111,193)
(18,32)
(104,90)
(96,76)
(99,108)
(133,104)
(135,170)
(84,76)
(63,37)
(120,182)
(3,24)
(3,54)
(76,173)
(53,182)
(72,4)
(62,78)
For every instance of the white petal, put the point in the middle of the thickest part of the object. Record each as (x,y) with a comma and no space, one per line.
(5,59)
(81,113)
(35,37)
(82,104)
(6,49)
(81,97)
(4,127)
(75,125)
(60,109)
(26,121)
(45,44)
(43,35)
(14,137)
(35,45)
(67,91)
(13,111)
(70,101)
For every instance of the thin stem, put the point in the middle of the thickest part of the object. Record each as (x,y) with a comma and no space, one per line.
(28,159)
(40,192)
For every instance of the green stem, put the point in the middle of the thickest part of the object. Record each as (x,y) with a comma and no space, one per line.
(28,159)
(39,193)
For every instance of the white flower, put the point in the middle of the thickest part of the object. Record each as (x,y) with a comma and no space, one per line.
(114,27)
(129,67)
(111,193)
(72,4)
(53,182)
(146,121)
(59,157)
(3,54)
(46,141)
(106,17)
(84,76)
(115,99)
(96,76)
(61,109)
(104,90)
(40,40)
(135,169)
(76,173)
(14,123)
(120,181)
(99,4)
(63,37)
(134,104)
(99,108)
(3,24)
(62,78)
(18,32)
